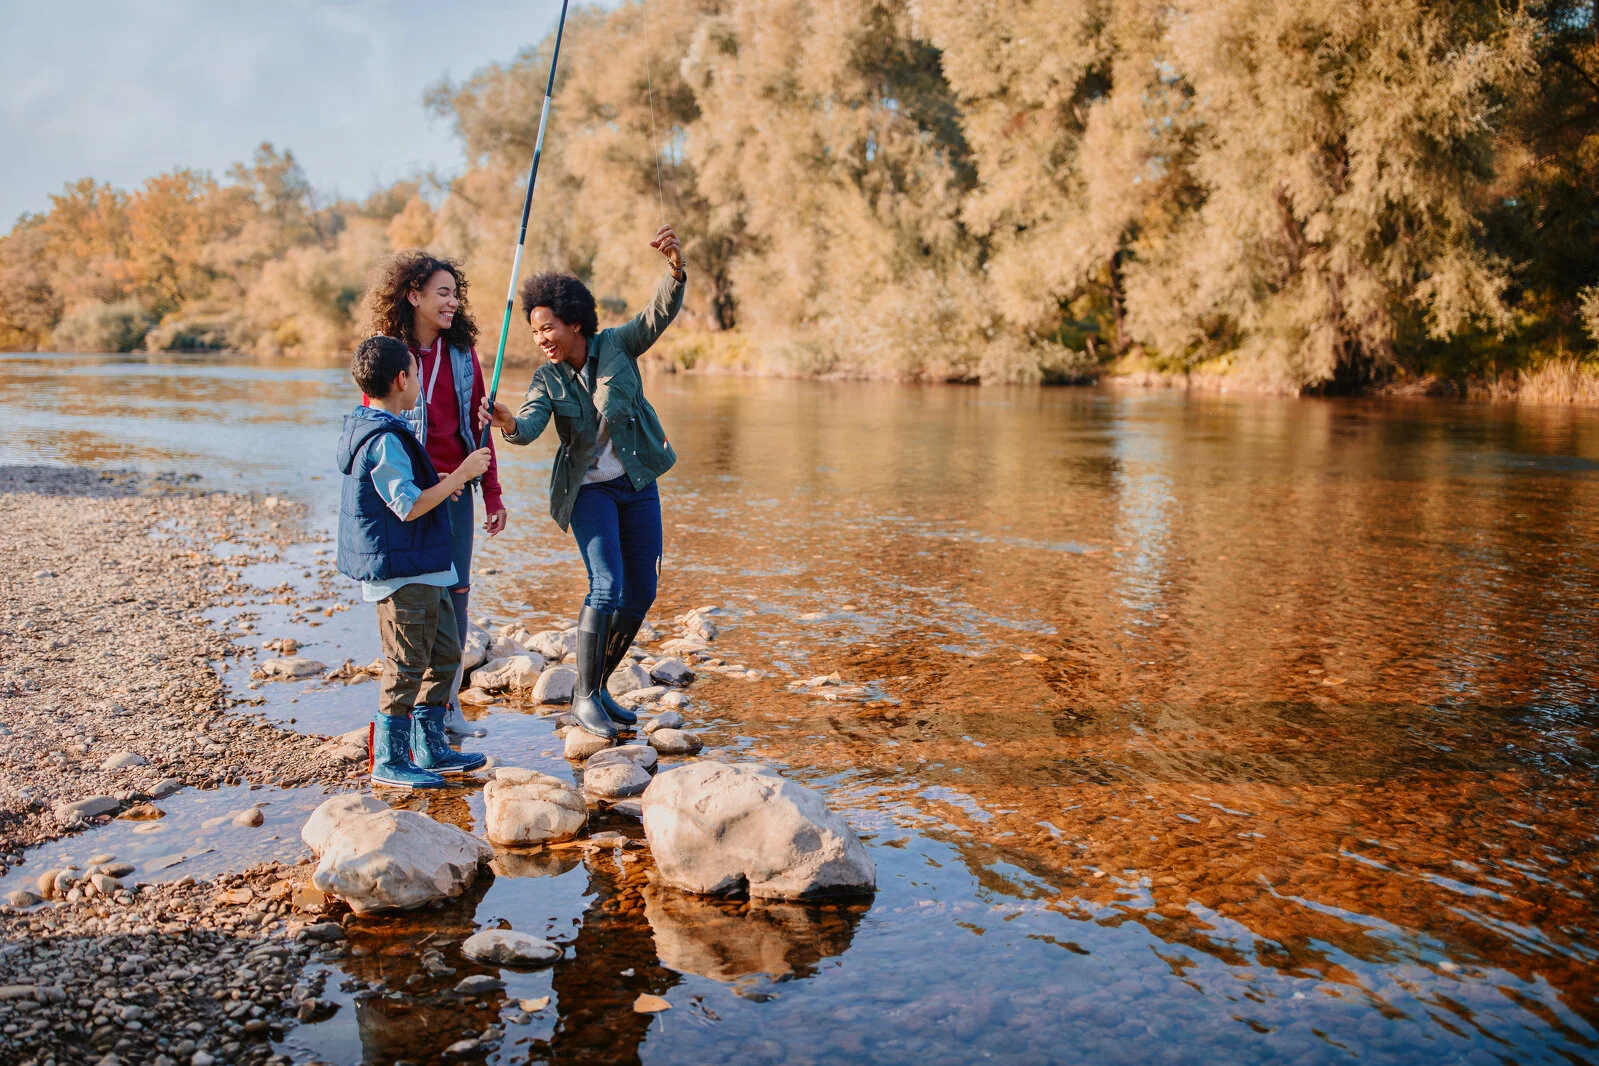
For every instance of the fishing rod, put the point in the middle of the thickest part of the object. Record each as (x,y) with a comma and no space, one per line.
(521,237)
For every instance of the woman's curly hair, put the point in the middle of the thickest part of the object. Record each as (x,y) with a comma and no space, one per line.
(389,310)
(567,298)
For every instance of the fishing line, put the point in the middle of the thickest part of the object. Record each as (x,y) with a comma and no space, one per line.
(649,86)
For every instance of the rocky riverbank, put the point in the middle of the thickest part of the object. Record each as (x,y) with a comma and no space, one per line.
(110,701)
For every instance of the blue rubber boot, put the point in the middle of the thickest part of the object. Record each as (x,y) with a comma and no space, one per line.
(429,748)
(391,755)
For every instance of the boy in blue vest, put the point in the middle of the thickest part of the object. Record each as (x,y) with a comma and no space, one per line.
(394,538)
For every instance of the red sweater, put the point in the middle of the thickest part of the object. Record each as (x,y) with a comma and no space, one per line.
(444,444)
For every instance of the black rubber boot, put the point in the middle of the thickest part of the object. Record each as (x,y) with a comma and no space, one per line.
(586,705)
(623,629)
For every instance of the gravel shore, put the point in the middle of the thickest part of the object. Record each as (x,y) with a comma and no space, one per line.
(110,699)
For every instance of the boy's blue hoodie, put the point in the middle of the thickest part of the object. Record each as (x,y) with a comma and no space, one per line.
(375,544)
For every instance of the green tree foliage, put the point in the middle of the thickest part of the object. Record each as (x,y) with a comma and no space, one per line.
(1316,196)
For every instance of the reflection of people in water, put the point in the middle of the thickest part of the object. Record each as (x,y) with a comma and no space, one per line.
(611,963)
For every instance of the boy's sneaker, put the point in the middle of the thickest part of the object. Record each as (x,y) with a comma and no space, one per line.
(432,751)
(391,755)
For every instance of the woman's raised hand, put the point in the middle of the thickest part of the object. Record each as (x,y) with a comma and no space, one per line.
(667,244)
(500,416)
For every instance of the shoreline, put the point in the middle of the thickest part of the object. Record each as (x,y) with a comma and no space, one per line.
(111,700)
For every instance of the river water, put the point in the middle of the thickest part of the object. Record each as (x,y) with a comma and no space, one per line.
(1181,729)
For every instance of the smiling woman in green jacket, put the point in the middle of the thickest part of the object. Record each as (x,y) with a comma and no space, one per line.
(612,450)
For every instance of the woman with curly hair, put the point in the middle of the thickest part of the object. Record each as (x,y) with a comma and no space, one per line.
(421,299)
(612,450)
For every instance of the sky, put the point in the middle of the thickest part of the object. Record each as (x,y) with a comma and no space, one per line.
(120,90)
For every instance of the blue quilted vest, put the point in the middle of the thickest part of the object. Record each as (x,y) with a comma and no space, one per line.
(374,544)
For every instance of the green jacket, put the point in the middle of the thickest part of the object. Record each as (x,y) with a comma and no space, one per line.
(635,430)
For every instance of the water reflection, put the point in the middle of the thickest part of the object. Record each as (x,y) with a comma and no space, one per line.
(729,940)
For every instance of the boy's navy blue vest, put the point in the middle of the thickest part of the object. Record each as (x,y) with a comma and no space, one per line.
(374,544)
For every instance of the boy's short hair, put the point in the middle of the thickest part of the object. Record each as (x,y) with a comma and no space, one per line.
(377,362)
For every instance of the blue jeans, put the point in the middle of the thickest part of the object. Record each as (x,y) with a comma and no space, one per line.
(618,530)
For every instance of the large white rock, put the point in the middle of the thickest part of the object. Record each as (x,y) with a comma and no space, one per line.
(555,685)
(615,780)
(672,671)
(526,807)
(518,672)
(509,948)
(290,669)
(396,860)
(474,652)
(331,814)
(627,678)
(715,828)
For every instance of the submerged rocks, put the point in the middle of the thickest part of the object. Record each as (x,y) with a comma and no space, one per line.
(555,685)
(716,828)
(526,807)
(289,669)
(674,742)
(509,948)
(517,673)
(390,860)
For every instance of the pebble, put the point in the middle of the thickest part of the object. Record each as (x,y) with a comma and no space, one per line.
(91,807)
(672,671)
(665,720)
(165,787)
(674,700)
(21,897)
(615,780)
(675,742)
(580,744)
(249,817)
(509,948)
(124,760)
(479,984)
(638,754)
(142,812)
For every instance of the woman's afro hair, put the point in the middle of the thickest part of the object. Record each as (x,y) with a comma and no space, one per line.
(567,298)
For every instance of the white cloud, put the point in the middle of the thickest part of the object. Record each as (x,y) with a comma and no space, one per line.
(119,91)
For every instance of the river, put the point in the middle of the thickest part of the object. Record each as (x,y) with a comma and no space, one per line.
(1182,729)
